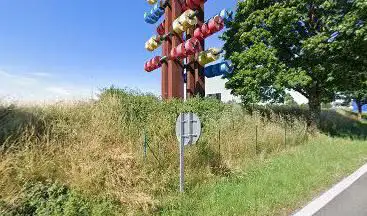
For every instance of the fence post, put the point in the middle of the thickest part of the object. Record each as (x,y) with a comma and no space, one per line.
(219,140)
(256,134)
(232,119)
(145,145)
(285,134)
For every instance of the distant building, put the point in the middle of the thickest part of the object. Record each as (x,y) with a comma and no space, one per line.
(215,87)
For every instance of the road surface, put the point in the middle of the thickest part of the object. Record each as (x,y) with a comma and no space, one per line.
(351,202)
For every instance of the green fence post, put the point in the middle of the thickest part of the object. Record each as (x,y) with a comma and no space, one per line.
(256,134)
(145,145)
(285,134)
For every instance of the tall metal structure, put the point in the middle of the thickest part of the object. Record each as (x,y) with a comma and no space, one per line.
(182,37)
(195,84)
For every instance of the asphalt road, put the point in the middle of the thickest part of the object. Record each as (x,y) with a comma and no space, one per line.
(351,202)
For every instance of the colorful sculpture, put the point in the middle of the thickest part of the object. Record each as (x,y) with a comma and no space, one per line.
(188,14)
(152,2)
(208,56)
(156,12)
(156,41)
(213,26)
(185,49)
(154,63)
(187,20)
(223,68)
(194,4)
(161,29)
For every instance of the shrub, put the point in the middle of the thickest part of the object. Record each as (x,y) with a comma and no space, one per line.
(52,199)
(97,147)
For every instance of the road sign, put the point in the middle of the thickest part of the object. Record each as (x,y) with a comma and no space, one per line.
(188,128)
(188,131)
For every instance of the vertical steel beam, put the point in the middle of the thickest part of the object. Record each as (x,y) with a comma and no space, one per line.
(166,49)
(175,66)
(195,72)
(199,70)
(190,71)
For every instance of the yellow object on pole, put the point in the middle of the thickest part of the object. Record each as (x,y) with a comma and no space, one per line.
(152,2)
(187,20)
(153,43)
(208,56)
(178,27)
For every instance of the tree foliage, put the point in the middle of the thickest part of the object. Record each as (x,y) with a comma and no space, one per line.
(298,45)
(352,59)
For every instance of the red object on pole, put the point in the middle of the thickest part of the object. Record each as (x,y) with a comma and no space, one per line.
(153,64)
(207,29)
(216,24)
(195,4)
(161,29)
(190,47)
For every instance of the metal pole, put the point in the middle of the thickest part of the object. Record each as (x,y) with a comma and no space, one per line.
(182,148)
(256,148)
(285,133)
(145,145)
(219,140)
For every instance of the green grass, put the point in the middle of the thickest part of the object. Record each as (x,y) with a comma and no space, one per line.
(242,163)
(275,186)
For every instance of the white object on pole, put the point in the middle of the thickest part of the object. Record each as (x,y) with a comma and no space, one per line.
(188,131)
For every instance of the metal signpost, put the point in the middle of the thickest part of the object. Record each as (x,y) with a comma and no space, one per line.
(188,131)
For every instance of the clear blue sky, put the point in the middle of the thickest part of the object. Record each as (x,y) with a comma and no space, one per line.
(69,48)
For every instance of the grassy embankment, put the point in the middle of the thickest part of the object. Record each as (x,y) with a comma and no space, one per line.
(278,185)
(87,159)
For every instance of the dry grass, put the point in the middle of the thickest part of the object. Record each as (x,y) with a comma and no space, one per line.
(97,147)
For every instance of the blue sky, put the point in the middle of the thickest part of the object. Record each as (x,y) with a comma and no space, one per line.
(58,49)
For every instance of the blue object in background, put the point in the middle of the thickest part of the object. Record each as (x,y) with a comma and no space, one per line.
(223,68)
(154,15)
(333,37)
(355,107)
(227,16)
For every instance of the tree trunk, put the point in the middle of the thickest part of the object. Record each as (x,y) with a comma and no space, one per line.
(314,111)
(359,105)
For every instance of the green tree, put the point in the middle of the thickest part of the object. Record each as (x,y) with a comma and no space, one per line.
(351,45)
(281,44)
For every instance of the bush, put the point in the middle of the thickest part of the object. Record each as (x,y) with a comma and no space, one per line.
(52,199)
(97,147)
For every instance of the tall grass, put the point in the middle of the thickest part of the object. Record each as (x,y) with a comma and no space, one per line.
(276,186)
(96,147)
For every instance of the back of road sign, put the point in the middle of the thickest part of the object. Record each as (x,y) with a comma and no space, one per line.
(188,127)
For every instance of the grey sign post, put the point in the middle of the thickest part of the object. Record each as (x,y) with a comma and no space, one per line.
(188,131)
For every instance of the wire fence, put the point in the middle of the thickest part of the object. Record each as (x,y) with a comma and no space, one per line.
(256,142)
